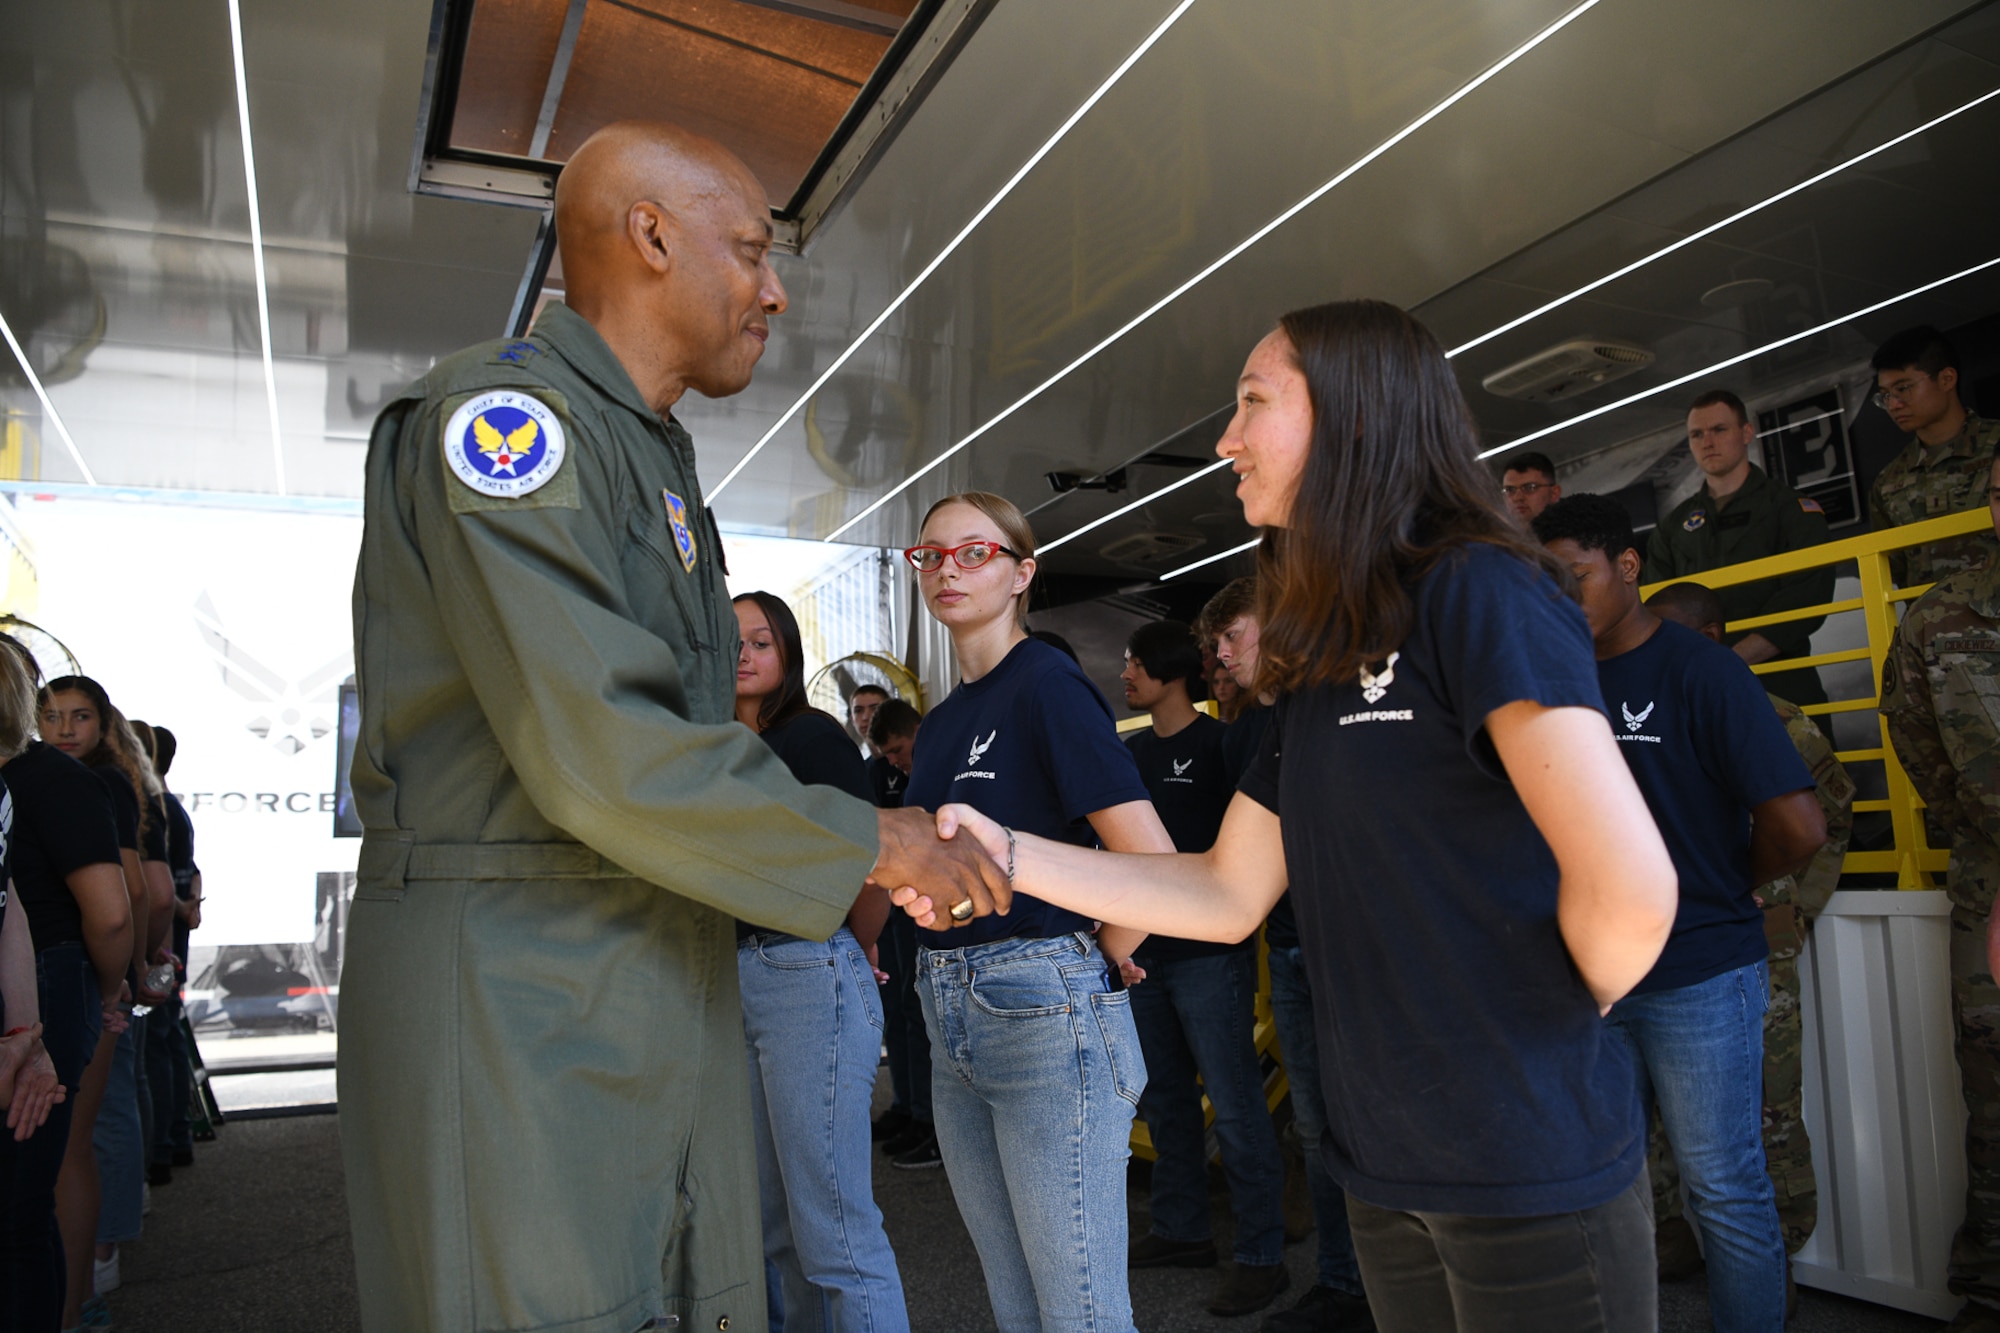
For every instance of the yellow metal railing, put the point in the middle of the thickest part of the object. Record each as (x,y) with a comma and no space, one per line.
(1912,859)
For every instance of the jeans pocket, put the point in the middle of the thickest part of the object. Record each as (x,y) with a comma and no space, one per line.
(1121,1042)
(856,963)
(794,955)
(1033,988)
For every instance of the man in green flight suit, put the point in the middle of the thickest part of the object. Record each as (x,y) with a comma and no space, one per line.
(1942,470)
(1741,514)
(1791,905)
(1941,700)
(544,1104)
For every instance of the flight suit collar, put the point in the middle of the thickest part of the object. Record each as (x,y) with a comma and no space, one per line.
(1965,444)
(1756,482)
(577,341)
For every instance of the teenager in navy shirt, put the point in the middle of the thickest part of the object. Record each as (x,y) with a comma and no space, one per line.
(1475,873)
(1036,1068)
(1711,757)
(1197,1011)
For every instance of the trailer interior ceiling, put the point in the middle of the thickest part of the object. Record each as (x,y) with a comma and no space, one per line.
(1068,334)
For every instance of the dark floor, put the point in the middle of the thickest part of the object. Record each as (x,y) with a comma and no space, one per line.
(254,1239)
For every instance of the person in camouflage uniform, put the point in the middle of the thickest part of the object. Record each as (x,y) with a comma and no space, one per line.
(1942,470)
(1941,701)
(1791,905)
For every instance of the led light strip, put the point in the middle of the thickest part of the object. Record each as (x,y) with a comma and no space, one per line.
(49,413)
(1464,91)
(1110,82)
(257,241)
(1706,371)
(1714,227)
(1211,559)
(1188,480)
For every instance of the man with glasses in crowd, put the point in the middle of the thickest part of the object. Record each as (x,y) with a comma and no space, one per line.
(1740,513)
(1529,486)
(1942,470)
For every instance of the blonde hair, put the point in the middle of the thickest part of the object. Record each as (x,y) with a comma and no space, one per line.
(18,712)
(1013,524)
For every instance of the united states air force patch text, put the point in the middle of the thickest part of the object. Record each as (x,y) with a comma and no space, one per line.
(504,444)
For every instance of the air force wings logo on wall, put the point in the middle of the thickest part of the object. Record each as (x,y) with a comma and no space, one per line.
(290,714)
(1634,721)
(505,444)
(1375,684)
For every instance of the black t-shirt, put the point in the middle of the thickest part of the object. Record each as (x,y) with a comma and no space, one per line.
(1241,745)
(886,783)
(819,753)
(124,804)
(153,840)
(180,860)
(1698,732)
(1031,744)
(1464,1064)
(63,821)
(1189,779)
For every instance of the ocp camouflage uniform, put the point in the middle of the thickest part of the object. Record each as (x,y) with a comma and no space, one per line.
(1930,481)
(1791,905)
(1941,699)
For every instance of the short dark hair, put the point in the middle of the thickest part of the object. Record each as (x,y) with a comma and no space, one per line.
(860,690)
(1166,648)
(1722,398)
(165,747)
(894,718)
(1529,462)
(1922,348)
(1057,642)
(1594,522)
(1689,603)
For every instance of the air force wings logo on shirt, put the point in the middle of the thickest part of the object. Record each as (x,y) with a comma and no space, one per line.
(504,444)
(1376,684)
(1634,721)
(978,752)
(1182,765)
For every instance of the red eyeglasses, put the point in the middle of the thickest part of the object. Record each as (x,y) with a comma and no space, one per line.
(928,559)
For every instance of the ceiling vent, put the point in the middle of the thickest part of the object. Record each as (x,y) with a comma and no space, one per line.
(1149,548)
(1567,369)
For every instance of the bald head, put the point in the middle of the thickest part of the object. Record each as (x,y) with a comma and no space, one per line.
(1694,605)
(665,239)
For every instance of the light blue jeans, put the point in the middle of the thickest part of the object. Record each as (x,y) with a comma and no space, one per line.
(1035,1075)
(812,1023)
(1699,1051)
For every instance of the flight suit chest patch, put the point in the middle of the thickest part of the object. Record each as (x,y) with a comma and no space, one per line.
(683,531)
(1694,521)
(506,449)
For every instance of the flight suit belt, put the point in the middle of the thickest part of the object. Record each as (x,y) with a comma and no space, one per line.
(402,862)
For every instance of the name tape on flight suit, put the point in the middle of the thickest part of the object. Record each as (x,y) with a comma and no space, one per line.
(504,444)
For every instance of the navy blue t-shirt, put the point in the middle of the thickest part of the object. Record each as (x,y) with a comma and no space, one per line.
(1189,778)
(1699,735)
(1464,1064)
(1031,744)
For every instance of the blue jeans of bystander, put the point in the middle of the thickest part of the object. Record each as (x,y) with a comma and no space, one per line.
(1292,1010)
(1036,1073)
(1699,1051)
(812,1023)
(1197,1016)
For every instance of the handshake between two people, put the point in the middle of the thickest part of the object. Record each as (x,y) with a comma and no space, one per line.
(940,878)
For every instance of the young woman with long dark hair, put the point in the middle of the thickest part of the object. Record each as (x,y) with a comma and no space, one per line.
(1036,1068)
(812,1022)
(1475,874)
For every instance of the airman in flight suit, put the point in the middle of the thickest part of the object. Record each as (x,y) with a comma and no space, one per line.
(544,1109)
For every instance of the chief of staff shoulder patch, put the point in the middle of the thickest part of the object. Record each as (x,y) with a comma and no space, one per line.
(504,444)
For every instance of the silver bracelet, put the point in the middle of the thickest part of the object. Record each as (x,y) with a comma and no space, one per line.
(1012,847)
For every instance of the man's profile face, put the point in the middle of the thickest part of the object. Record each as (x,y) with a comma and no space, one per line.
(1528,491)
(1718,441)
(1606,590)
(1914,399)
(728,290)
(1142,692)
(901,751)
(1236,649)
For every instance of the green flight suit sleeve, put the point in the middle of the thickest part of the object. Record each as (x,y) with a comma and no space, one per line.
(1911,717)
(1660,562)
(1797,530)
(584,701)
